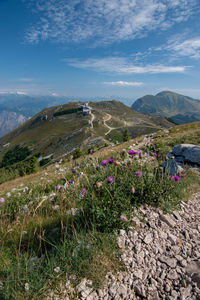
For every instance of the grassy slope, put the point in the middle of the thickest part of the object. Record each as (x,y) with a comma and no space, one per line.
(188,133)
(40,230)
(61,134)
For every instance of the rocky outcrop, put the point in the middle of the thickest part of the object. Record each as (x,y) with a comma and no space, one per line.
(187,153)
(182,155)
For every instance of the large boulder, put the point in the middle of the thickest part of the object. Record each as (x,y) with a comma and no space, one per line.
(180,156)
(187,153)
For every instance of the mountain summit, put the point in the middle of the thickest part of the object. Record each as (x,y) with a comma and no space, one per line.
(180,109)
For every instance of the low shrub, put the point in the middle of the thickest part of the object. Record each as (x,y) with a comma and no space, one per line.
(25,167)
(15,155)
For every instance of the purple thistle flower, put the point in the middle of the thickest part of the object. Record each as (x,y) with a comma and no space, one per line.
(2,200)
(110,179)
(70,181)
(138,173)
(111,160)
(132,152)
(177,178)
(83,192)
(104,162)
(155,154)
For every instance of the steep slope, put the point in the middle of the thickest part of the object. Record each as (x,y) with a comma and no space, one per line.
(180,109)
(59,130)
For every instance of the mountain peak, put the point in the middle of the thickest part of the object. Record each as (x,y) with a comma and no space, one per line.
(180,109)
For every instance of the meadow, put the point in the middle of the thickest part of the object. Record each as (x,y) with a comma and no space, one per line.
(61,224)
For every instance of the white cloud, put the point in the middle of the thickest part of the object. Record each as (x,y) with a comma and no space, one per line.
(25,79)
(21,93)
(188,47)
(122,65)
(13,92)
(105,21)
(124,83)
(54,94)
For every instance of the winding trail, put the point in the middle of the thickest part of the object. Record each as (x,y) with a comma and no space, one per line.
(92,119)
(106,125)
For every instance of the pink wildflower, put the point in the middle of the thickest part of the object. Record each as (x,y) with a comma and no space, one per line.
(123,218)
(138,173)
(111,160)
(110,179)
(83,192)
(104,162)
(132,152)
(58,187)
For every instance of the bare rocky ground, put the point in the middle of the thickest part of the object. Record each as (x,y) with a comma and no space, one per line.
(162,258)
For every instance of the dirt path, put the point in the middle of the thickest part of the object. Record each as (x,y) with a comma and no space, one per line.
(106,125)
(92,119)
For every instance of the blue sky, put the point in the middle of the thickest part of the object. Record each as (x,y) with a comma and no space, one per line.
(90,48)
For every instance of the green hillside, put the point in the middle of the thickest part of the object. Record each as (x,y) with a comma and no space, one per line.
(60,129)
(180,109)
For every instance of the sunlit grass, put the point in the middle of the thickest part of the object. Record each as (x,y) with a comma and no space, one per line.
(52,223)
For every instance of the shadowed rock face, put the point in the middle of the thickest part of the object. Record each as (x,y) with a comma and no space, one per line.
(183,154)
(187,153)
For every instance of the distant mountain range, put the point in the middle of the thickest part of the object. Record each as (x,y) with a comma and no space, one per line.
(178,108)
(15,109)
(60,129)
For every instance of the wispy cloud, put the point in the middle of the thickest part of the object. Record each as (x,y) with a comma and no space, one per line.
(184,47)
(124,83)
(26,79)
(13,92)
(105,21)
(122,65)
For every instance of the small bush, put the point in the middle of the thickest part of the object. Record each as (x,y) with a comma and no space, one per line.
(77,153)
(126,135)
